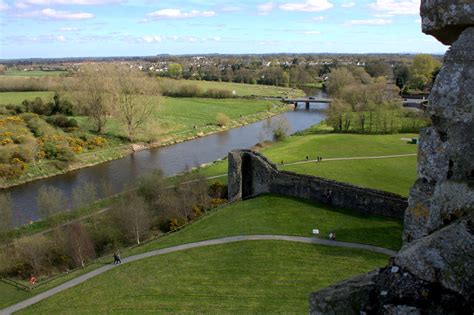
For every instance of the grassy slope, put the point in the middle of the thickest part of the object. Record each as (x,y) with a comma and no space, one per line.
(395,175)
(288,216)
(246,277)
(263,215)
(34,73)
(18,97)
(181,114)
(243,89)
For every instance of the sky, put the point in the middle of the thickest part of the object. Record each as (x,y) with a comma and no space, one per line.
(90,28)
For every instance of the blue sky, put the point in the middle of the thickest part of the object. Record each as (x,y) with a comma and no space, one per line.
(72,28)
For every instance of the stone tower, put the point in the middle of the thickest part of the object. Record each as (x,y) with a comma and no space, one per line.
(434,271)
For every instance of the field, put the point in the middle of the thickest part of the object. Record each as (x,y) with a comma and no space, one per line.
(243,89)
(245,277)
(18,97)
(265,215)
(395,175)
(34,73)
(289,216)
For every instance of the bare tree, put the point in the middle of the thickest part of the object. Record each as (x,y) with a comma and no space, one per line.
(84,195)
(80,245)
(91,93)
(132,215)
(50,201)
(135,97)
(34,251)
(5,212)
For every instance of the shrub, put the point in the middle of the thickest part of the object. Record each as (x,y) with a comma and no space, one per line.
(218,190)
(222,119)
(218,93)
(62,121)
(175,223)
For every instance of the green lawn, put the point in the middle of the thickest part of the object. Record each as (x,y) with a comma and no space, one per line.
(18,97)
(287,216)
(262,215)
(244,277)
(395,175)
(34,73)
(339,145)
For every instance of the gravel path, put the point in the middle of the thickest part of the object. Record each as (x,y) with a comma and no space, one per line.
(225,240)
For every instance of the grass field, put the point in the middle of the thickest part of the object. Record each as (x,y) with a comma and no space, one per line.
(34,73)
(288,216)
(242,89)
(263,215)
(180,114)
(245,277)
(395,175)
(18,97)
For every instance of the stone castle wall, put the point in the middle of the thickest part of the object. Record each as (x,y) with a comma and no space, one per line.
(251,174)
(434,271)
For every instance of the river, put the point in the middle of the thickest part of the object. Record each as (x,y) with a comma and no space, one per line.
(122,173)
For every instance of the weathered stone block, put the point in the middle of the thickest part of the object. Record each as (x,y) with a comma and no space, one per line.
(418,211)
(347,297)
(446,19)
(444,257)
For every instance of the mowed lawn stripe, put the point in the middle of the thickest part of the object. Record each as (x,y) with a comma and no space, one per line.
(255,276)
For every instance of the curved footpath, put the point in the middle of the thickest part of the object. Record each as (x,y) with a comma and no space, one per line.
(218,241)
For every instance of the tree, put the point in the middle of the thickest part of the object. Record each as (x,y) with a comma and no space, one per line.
(175,70)
(5,212)
(50,201)
(378,68)
(422,70)
(401,74)
(84,195)
(35,252)
(80,245)
(132,215)
(135,98)
(92,94)
(339,78)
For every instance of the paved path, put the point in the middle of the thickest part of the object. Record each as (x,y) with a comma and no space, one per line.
(354,158)
(224,240)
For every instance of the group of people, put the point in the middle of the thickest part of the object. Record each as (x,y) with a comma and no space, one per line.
(318,159)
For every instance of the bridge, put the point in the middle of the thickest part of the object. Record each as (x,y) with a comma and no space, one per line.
(407,102)
(306,100)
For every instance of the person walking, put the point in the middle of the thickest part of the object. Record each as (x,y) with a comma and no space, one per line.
(117,259)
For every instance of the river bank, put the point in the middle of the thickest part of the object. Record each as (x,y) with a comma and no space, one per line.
(89,159)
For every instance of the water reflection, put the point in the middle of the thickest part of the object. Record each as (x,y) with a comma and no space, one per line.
(172,159)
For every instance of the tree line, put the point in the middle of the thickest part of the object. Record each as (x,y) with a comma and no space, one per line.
(146,212)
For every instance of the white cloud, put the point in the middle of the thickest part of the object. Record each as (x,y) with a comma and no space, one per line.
(307,6)
(348,5)
(22,4)
(3,5)
(311,32)
(152,39)
(231,9)
(370,22)
(265,8)
(65,15)
(396,7)
(61,38)
(178,14)
(318,18)
(68,29)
